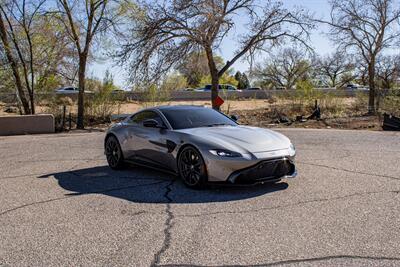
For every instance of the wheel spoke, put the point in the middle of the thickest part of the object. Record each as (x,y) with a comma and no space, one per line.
(191,166)
(113,152)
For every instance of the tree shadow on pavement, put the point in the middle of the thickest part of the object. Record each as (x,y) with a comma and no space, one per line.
(147,186)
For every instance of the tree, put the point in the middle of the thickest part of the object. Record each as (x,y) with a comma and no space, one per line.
(367,27)
(84,20)
(226,78)
(55,61)
(14,65)
(388,71)
(168,32)
(335,70)
(108,80)
(173,82)
(7,84)
(195,67)
(16,30)
(284,69)
(243,81)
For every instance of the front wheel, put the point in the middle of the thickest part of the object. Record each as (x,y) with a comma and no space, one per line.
(192,168)
(114,155)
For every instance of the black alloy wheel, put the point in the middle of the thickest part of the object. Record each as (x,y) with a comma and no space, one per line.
(114,153)
(192,168)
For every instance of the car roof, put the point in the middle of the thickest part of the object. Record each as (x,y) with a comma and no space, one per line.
(178,107)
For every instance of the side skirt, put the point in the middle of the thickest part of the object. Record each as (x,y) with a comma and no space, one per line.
(151,166)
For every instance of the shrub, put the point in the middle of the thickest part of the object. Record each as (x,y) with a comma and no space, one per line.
(101,105)
(391,102)
(361,103)
(154,96)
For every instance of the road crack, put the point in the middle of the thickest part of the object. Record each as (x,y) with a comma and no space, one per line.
(168,226)
(78,194)
(286,262)
(288,205)
(350,171)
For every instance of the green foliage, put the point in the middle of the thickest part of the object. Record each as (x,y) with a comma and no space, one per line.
(195,68)
(302,102)
(47,84)
(361,103)
(305,91)
(153,96)
(242,80)
(94,85)
(391,102)
(225,79)
(103,102)
(7,83)
(173,82)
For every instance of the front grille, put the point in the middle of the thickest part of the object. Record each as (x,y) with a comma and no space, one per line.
(264,171)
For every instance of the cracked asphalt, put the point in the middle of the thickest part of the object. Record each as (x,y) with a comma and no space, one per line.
(60,205)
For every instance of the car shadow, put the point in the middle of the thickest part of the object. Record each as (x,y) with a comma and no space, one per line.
(143,185)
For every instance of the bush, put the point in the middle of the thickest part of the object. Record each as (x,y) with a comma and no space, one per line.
(102,104)
(306,94)
(154,96)
(361,103)
(332,105)
(391,102)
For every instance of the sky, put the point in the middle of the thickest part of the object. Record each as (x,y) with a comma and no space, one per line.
(319,41)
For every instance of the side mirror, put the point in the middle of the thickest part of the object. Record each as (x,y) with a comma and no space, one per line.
(234,117)
(151,123)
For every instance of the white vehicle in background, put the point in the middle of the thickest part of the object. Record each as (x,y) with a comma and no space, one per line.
(69,90)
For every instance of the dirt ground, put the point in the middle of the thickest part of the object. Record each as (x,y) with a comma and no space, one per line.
(257,112)
(132,107)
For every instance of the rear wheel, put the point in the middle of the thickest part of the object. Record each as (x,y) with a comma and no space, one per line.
(114,155)
(192,168)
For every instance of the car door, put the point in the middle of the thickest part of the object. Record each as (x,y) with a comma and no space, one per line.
(149,144)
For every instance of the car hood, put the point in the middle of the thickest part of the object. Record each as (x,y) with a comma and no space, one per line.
(249,139)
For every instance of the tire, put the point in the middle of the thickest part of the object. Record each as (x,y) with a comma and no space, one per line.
(192,168)
(114,155)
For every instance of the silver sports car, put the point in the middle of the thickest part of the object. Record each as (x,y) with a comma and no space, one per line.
(201,145)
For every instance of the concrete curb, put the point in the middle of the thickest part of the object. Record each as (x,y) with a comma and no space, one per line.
(27,124)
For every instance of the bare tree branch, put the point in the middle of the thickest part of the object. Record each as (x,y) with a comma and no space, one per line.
(165,33)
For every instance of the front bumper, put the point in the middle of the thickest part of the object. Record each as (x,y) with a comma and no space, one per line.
(265,171)
(229,170)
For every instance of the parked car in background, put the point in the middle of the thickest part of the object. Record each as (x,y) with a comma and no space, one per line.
(254,88)
(117,91)
(227,87)
(67,90)
(351,86)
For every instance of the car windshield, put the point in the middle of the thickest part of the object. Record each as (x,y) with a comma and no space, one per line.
(184,118)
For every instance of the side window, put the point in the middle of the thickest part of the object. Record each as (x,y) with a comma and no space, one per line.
(145,115)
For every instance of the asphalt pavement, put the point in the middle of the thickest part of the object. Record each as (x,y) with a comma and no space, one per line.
(60,205)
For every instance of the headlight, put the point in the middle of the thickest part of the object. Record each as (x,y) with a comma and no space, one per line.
(292,150)
(225,153)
